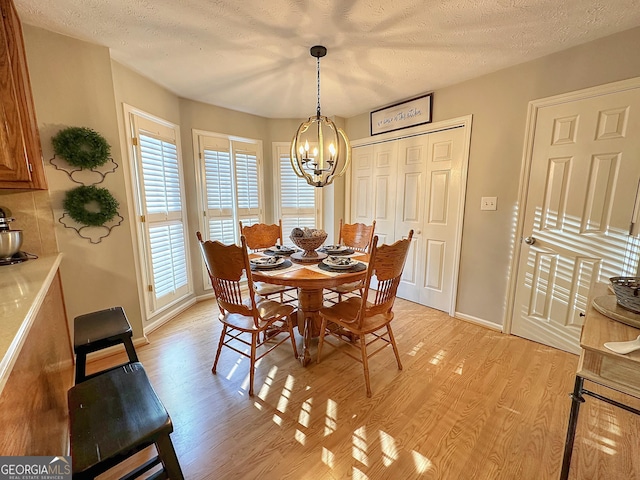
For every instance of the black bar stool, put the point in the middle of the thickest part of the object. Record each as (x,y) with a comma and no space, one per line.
(114,415)
(97,330)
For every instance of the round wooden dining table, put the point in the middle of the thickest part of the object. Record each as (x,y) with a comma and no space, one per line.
(310,285)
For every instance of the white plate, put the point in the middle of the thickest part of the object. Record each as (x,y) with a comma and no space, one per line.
(335,248)
(267,262)
(281,249)
(339,263)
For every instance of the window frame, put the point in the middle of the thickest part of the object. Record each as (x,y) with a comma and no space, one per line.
(141,223)
(201,187)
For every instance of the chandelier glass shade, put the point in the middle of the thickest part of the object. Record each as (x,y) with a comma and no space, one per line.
(320,151)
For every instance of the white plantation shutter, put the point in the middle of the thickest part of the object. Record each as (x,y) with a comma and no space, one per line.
(168,260)
(230,173)
(161,202)
(218,191)
(246,164)
(161,176)
(297,197)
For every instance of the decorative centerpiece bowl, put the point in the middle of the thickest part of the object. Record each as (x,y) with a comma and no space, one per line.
(309,243)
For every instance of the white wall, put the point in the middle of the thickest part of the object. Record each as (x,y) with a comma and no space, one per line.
(498,103)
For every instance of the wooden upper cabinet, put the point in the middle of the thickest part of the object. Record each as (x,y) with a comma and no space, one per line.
(21,164)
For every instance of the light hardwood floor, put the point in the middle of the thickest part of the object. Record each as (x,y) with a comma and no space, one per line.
(470,403)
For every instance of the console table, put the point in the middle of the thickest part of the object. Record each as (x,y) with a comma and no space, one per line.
(602,366)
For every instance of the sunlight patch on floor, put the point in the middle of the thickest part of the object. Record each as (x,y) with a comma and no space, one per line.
(599,446)
(459,368)
(300,437)
(422,463)
(283,401)
(327,457)
(359,449)
(603,440)
(415,349)
(266,386)
(359,474)
(305,413)
(437,358)
(389,450)
(612,425)
(234,368)
(331,419)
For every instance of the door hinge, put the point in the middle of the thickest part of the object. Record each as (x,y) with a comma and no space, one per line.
(150,288)
(134,140)
(30,167)
(143,218)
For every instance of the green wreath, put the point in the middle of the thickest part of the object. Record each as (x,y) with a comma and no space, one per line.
(76,202)
(81,147)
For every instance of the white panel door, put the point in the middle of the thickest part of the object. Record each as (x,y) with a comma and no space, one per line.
(362,188)
(443,184)
(383,183)
(581,195)
(429,187)
(410,207)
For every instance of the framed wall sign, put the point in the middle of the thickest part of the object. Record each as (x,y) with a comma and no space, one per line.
(402,115)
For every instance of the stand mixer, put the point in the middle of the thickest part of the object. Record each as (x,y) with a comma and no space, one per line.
(10,241)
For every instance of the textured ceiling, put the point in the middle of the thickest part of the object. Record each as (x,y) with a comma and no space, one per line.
(253,55)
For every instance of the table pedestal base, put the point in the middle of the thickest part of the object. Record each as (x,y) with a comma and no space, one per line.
(310,301)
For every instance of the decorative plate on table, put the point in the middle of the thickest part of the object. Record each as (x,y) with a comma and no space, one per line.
(335,248)
(339,263)
(267,262)
(283,249)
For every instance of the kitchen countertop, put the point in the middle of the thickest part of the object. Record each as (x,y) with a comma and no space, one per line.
(23,287)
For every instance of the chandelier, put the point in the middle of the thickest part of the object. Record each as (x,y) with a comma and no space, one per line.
(320,152)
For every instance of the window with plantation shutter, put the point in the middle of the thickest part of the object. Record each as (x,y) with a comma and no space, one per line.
(160,201)
(219,200)
(230,184)
(296,199)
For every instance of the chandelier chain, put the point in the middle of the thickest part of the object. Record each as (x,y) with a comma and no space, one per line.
(318,70)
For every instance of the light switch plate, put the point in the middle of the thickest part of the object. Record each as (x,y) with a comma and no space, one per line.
(489,203)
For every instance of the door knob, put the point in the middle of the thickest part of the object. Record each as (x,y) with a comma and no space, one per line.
(529,240)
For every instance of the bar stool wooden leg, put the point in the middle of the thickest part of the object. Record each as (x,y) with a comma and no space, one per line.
(169,458)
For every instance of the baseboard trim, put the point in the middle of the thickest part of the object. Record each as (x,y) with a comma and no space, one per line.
(162,319)
(206,296)
(478,321)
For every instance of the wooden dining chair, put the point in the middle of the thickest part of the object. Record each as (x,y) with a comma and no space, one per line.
(358,237)
(259,237)
(241,315)
(368,321)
